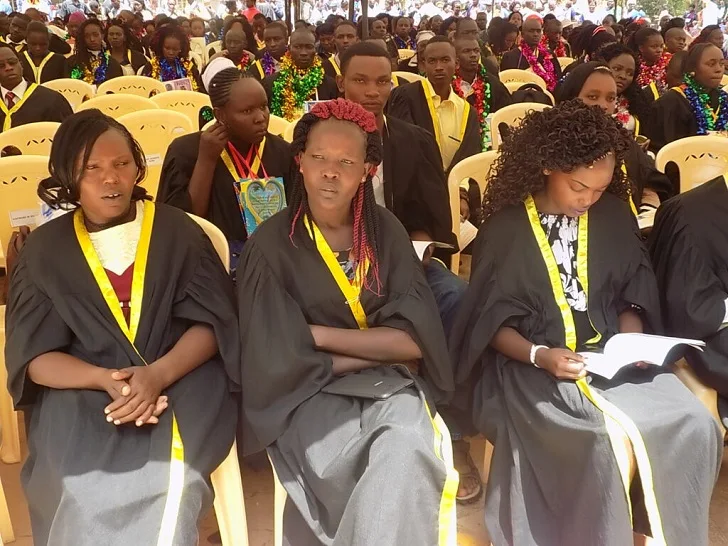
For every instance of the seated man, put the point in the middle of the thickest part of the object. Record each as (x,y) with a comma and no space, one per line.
(41,65)
(532,53)
(344,37)
(275,36)
(689,249)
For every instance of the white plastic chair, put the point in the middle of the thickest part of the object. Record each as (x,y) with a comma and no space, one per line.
(698,158)
(32,138)
(522,76)
(512,115)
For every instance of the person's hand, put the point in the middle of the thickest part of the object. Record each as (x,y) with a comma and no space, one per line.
(213,142)
(561,363)
(114,382)
(142,402)
(422,236)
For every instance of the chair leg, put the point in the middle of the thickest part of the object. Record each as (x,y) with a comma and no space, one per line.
(279,504)
(229,501)
(486,462)
(10,447)
(6,527)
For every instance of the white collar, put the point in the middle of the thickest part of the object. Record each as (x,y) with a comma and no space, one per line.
(9,41)
(18,91)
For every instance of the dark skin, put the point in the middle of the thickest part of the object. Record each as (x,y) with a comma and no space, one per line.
(327,43)
(440,66)
(468,29)
(403,28)
(709,70)
(18,29)
(652,49)
(303,48)
(344,37)
(532,31)
(117,42)
(552,30)
(468,57)
(676,39)
(275,37)
(38,44)
(243,121)
(11,71)
(94,37)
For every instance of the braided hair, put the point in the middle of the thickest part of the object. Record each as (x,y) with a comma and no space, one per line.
(222,84)
(365,247)
(170,31)
(636,101)
(563,138)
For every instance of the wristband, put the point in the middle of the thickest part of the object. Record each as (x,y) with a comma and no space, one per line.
(535,348)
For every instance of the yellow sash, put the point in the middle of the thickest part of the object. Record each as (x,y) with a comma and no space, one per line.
(427,87)
(227,160)
(259,66)
(616,420)
(176,467)
(38,70)
(333,62)
(9,113)
(655,91)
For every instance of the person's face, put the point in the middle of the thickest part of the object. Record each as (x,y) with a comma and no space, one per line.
(275,41)
(107,179)
(246,114)
(592,6)
(171,4)
(481,20)
(379,29)
(18,28)
(126,17)
(652,49)
(38,43)
(456,7)
(235,43)
(468,29)
(249,3)
(92,35)
(150,28)
(115,35)
(333,165)
(516,19)
(439,62)
(573,193)
(468,54)
(259,26)
(198,29)
(510,40)
(674,74)
(171,48)
(715,37)
(435,24)
(186,28)
(622,67)
(676,39)
(344,37)
(403,27)
(532,32)
(600,89)
(709,71)
(34,15)
(72,29)
(11,72)
(302,49)
(553,32)
(137,6)
(327,42)
(368,81)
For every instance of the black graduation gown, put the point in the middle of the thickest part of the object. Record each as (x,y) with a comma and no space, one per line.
(415,189)
(223,211)
(43,105)
(515,59)
(58,45)
(405,66)
(408,103)
(138,60)
(330,67)
(55,69)
(83,475)
(643,174)
(689,250)
(326,91)
(112,71)
(554,478)
(671,118)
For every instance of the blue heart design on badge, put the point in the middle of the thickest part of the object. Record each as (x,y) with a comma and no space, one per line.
(265,200)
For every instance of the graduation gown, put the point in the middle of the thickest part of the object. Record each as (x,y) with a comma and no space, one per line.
(331,68)
(58,45)
(223,210)
(134,59)
(54,68)
(643,174)
(554,478)
(689,250)
(333,453)
(515,59)
(42,104)
(409,103)
(326,91)
(671,118)
(112,71)
(84,476)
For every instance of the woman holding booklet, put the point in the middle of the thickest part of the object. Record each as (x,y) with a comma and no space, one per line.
(558,268)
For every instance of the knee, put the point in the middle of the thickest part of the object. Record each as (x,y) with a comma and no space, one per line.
(405,443)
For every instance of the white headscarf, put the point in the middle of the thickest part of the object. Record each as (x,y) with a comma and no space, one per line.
(213,68)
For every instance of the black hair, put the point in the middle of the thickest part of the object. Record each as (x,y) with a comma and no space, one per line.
(11,48)
(278,24)
(129,38)
(549,17)
(589,39)
(222,83)
(445,24)
(640,37)
(170,31)
(197,20)
(261,16)
(252,44)
(705,33)
(563,138)
(344,24)
(75,139)
(361,49)
(81,52)
(675,22)
(574,82)
(695,52)
(20,16)
(637,102)
(326,28)
(38,28)
(497,36)
(439,40)
(182,19)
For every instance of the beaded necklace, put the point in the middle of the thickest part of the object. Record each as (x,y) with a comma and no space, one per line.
(545,70)
(559,50)
(699,99)
(165,71)
(95,72)
(293,86)
(654,73)
(482,94)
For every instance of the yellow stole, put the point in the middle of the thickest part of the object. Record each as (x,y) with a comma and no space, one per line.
(8,123)
(37,70)
(427,88)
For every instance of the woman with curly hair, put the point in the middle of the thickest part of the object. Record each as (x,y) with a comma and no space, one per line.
(558,269)
(338,275)
(119,39)
(91,61)
(171,58)
(502,37)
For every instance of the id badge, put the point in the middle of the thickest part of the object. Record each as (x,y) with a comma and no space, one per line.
(259,199)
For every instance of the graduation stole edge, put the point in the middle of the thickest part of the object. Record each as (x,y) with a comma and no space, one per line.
(176,468)
(38,70)
(9,113)
(616,421)
(426,88)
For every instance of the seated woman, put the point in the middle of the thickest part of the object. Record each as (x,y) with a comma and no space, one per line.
(558,269)
(334,453)
(40,64)
(120,325)
(91,62)
(689,250)
(650,46)
(119,39)
(240,24)
(171,58)
(199,173)
(234,47)
(23,102)
(697,107)
(594,84)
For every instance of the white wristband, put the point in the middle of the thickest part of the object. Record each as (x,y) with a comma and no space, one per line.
(535,348)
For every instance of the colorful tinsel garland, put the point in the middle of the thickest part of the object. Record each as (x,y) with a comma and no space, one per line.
(482,93)
(293,86)
(165,71)
(95,72)
(654,73)
(268,63)
(699,99)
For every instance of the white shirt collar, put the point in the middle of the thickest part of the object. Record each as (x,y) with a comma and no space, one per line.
(18,91)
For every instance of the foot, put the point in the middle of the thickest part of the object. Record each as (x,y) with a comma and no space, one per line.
(470,486)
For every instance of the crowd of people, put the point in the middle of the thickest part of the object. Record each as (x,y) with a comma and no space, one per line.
(139,356)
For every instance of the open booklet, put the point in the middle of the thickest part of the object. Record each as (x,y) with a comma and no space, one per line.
(625,349)
(422,246)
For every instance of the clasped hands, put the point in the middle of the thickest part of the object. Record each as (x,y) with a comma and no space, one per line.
(135,394)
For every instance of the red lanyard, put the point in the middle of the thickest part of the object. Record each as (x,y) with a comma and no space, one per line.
(243,163)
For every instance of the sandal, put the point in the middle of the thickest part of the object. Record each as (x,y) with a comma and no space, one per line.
(470,488)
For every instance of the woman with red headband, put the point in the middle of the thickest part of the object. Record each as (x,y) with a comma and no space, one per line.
(332,286)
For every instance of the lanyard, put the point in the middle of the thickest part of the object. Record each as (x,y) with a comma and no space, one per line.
(38,70)
(252,171)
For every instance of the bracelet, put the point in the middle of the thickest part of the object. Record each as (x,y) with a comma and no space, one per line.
(532,357)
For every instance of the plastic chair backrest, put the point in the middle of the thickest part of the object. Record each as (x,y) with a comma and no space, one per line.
(141,86)
(197,45)
(515,86)
(19,177)
(217,238)
(523,76)
(565,61)
(75,91)
(409,76)
(512,115)
(214,46)
(198,59)
(288,133)
(698,158)
(188,103)
(155,133)
(31,139)
(476,167)
(405,54)
(116,106)
(277,125)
